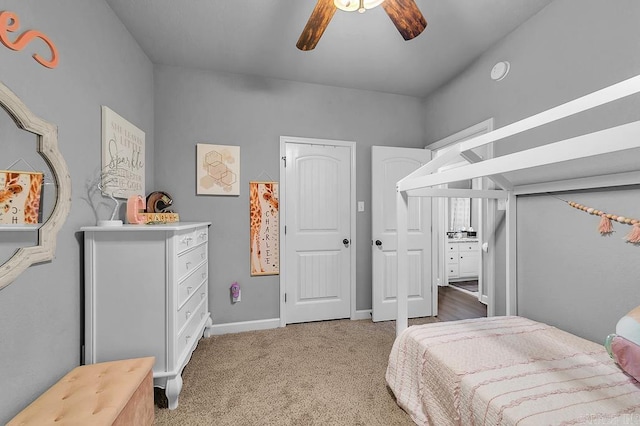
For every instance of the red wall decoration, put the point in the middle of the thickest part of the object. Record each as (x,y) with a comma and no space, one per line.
(9,23)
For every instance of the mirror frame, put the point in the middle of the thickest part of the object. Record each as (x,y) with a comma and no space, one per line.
(47,137)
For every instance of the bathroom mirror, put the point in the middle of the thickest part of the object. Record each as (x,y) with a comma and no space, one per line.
(459,209)
(54,211)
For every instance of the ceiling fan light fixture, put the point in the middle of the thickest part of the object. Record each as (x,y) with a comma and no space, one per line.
(404,14)
(359,5)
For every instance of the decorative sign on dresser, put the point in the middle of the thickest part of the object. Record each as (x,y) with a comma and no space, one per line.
(146,294)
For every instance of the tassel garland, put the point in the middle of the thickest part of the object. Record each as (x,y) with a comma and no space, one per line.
(634,235)
(605,226)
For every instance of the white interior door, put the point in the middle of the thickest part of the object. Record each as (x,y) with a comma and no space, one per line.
(389,165)
(318,264)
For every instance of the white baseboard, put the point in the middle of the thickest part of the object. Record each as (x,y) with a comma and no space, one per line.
(238,327)
(363,314)
(266,324)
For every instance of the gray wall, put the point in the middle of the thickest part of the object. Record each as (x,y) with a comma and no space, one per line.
(194,106)
(40,312)
(569,49)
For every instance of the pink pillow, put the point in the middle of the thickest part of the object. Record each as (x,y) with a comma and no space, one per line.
(626,354)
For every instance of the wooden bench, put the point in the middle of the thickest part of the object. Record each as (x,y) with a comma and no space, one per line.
(107,393)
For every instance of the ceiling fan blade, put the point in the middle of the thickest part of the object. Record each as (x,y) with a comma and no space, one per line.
(317,23)
(406,16)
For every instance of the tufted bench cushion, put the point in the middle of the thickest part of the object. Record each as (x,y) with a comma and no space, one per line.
(107,393)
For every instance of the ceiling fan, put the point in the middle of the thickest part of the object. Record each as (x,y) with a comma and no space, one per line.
(404,14)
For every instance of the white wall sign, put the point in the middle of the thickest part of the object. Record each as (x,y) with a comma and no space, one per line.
(122,156)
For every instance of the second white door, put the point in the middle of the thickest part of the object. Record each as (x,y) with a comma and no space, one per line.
(389,165)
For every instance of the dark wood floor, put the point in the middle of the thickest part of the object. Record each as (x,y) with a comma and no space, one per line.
(456,305)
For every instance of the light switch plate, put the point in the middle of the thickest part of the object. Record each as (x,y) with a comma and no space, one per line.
(360,206)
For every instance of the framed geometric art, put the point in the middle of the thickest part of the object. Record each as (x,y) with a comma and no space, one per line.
(217,169)
(264,232)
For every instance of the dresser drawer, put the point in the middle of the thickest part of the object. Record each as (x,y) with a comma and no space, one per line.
(453,271)
(191,237)
(187,336)
(186,311)
(192,282)
(185,240)
(190,260)
(201,235)
(452,248)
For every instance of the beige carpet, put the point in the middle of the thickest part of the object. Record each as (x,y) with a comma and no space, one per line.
(322,373)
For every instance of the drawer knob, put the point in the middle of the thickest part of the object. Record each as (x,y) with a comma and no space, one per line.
(187,264)
(204,274)
(189,290)
(188,314)
(202,295)
(202,255)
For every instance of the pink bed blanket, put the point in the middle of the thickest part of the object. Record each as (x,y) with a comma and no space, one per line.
(507,371)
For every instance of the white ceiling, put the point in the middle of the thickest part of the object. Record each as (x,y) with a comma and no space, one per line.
(362,51)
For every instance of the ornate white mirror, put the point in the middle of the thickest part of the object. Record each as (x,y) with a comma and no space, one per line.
(47,146)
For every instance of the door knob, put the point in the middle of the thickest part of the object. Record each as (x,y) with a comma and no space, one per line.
(345,242)
(378,243)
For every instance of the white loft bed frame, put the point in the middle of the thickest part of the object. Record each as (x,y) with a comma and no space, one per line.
(424,181)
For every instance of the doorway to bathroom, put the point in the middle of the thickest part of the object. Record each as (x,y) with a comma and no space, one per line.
(464,227)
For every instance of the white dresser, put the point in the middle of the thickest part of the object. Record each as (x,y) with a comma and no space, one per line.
(146,294)
(463,257)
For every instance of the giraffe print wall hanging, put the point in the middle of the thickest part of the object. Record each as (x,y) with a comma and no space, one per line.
(264,232)
(20,197)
